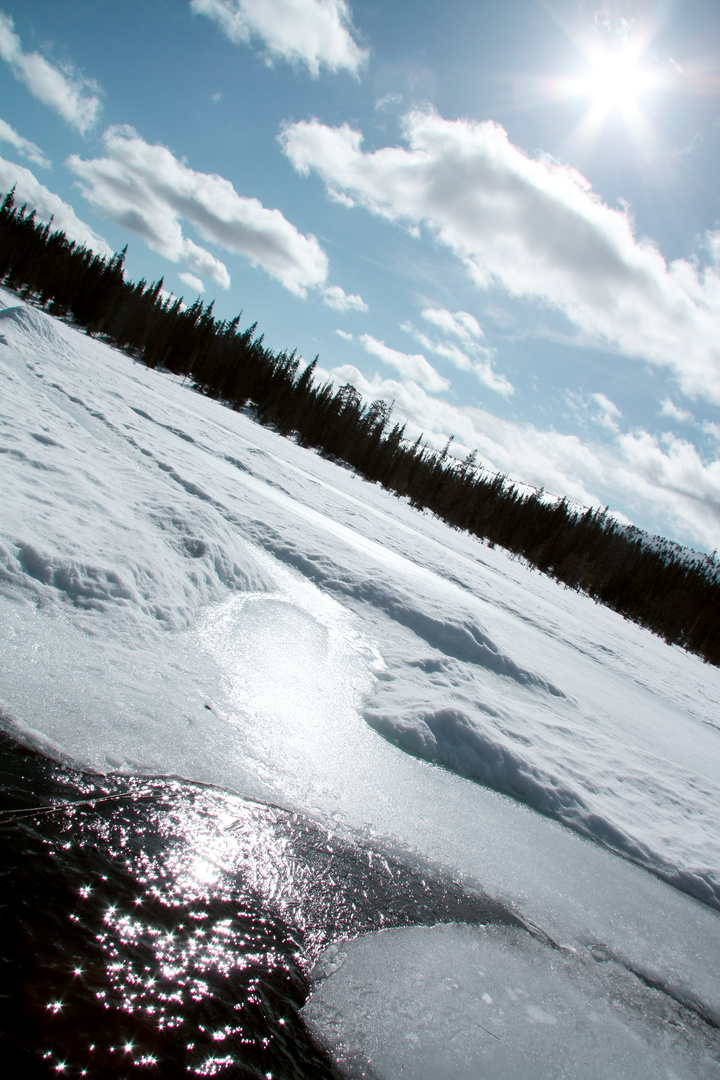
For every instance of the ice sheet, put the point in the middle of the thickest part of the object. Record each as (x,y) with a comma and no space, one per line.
(464,1003)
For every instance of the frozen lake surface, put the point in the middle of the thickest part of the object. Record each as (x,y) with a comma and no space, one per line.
(186,594)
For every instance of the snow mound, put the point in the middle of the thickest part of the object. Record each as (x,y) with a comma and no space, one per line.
(369,585)
(462,639)
(509,737)
(21,323)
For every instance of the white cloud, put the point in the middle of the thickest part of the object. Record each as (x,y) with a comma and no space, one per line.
(461,324)
(388,101)
(316,33)
(344,335)
(534,228)
(192,282)
(449,351)
(28,189)
(70,94)
(677,474)
(411,366)
(146,189)
(595,409)
(23,146)
(337,298)
(607,413)
(669,408)
(480,358)
(669,488)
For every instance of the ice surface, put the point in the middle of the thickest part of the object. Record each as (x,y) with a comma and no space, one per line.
(184,592)
(465,1003)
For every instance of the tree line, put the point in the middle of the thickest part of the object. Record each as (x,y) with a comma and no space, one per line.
(673,592)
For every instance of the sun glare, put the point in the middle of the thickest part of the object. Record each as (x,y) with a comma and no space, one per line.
(616,82)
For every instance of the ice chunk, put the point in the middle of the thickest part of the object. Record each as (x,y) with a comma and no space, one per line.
(464,1003)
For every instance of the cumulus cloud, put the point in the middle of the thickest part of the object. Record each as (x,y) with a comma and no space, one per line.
(63,89)
(473,356)
(594,409)
(479,363)
(23,146)
(337,298)
(28,189)
(461,324)
(534,228)
(146,189)
(192,282)
(314,33)
(411,366)
(665,484)
(674,470)
(669,408)
(607,412)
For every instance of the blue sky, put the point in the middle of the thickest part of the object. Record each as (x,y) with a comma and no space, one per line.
(505,218)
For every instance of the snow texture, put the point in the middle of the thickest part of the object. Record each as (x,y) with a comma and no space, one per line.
(184,592)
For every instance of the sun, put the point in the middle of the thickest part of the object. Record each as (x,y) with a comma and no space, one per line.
(616,82)
(615,88)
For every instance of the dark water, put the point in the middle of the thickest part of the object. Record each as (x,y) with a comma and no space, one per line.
(160,928)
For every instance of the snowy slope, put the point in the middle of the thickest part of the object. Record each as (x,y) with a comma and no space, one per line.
(184,592)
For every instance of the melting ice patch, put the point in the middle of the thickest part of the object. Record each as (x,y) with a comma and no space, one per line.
(448,692)
(466,1002)
(298,671)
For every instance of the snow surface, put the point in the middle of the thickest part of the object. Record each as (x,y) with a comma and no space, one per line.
(184,592)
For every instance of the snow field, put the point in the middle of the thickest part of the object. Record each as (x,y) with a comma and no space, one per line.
(183,592)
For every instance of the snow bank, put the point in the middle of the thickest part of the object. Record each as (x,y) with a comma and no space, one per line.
(556,757)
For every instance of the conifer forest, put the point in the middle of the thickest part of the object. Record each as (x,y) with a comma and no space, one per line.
(664,587)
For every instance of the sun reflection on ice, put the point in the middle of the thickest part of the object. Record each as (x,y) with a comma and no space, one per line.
(298,672)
